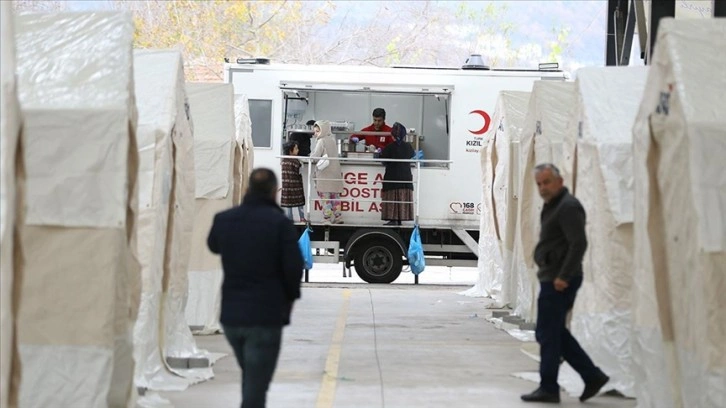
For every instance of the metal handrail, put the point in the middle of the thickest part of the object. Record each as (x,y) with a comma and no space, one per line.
(364,132)
(373,181)
(356,159)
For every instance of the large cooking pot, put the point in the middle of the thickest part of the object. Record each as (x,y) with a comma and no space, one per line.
(411,136)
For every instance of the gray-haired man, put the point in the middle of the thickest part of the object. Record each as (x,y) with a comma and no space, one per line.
(559,252)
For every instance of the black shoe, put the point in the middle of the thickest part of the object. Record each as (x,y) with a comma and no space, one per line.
(392,223)
(594,386)
(540,395)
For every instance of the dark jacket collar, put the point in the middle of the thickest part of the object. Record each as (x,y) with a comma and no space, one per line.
(556,199)
(259,200)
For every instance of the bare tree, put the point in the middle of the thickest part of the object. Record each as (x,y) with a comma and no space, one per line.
(209,31)
(38,5)
(327,32)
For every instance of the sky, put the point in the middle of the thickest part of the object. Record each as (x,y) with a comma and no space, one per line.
(533,22)
(88,5)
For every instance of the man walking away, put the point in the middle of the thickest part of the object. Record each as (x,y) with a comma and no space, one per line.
(558,255)
(262,270)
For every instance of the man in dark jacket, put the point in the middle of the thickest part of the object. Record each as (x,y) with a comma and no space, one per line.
(559,252)
(262,270)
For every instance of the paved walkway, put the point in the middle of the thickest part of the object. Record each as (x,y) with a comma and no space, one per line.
(360,345)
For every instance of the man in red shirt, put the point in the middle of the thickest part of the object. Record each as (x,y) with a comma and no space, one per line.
(378,125)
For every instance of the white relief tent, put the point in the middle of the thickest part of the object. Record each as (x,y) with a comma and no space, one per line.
(679,307)
(156,75)
(607,102)
(544,139)
(212,107)
(178,342)
(165,139)
(499,161)
(10,123)
(244,151)
(79,293)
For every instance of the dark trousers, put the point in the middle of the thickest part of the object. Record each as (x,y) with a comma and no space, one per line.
(256,349)
(555,340)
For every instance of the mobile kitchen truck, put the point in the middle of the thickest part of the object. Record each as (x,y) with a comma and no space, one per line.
(448,111)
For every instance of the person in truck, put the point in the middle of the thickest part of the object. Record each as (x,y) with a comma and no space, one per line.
(328,174)
(397,191)
(378,125)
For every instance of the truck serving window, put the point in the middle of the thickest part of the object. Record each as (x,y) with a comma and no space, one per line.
(426,112)
(261,118)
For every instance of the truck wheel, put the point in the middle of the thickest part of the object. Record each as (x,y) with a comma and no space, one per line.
(378,261)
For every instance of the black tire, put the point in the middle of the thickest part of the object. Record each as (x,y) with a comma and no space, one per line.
(378,261)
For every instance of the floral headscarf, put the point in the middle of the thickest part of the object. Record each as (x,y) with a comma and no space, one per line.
(398,131)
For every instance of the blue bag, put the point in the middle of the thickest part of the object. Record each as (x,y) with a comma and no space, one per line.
(306,248)
(415,252)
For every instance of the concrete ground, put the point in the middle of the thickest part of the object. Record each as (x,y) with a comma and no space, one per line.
(360,345)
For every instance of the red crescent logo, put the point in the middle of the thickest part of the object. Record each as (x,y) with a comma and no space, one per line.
(487,122)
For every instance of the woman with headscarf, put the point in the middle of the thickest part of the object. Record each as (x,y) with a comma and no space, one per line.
(328,176)
(396,194)
(292,193)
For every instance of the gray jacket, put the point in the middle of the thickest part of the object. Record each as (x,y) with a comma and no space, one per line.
(326,145)
(562,241)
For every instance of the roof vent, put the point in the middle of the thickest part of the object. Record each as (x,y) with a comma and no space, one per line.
(474,61)
(548,66)
(262,61)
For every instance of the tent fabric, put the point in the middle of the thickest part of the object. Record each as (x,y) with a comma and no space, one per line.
(85,334)
(205,301)
(178,340)
(543,139)
(166,208)
(499,171)
(10,121)
(611,116)
(504,187)
(680,231)
(154,79)
(205,271)
(90,176)
(601,318)
(489,258)
(75,88)
(244,151)
(212,107)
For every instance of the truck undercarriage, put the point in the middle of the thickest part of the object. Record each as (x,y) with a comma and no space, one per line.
(378,252)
